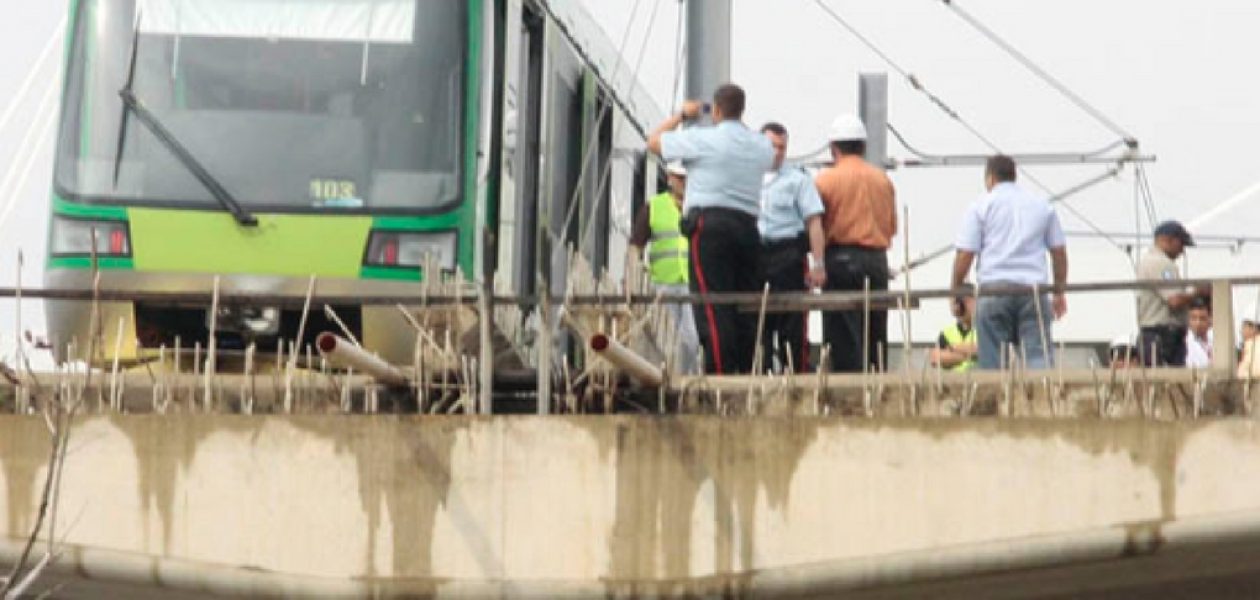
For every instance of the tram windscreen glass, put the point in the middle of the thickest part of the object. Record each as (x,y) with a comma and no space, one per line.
(322,105)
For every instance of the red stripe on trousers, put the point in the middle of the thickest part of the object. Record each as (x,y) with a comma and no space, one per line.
(803,366)
(704,289)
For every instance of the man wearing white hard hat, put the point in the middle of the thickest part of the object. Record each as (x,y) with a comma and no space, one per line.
(657,229)
(859,219)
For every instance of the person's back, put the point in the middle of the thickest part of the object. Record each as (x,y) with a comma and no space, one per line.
(1016,228)
(726,163)
(861,204)
(1009,232)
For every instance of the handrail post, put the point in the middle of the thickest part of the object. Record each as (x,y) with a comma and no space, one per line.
(1223,358)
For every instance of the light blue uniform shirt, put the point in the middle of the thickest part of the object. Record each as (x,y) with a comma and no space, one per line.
(724,165)
(787,200)
(1010,230)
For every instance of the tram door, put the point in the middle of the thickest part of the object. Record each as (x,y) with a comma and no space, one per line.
(519,174)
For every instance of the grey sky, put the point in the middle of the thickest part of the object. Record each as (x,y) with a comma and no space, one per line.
(1178,75)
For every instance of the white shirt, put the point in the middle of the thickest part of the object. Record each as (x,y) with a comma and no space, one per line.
(1198,352)
(1010,231)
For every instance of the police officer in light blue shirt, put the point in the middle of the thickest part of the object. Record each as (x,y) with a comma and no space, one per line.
(793,244)
(725,164)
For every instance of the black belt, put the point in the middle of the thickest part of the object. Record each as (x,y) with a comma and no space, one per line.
(781,243)
(856,247)
(701,210)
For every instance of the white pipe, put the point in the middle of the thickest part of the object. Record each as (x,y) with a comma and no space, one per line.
(342,353)
(637,367)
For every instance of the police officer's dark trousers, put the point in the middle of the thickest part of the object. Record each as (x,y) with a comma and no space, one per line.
(725,249)
(848,268)
(784,264)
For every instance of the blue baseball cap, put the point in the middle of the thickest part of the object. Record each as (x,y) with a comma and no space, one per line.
(1174,229)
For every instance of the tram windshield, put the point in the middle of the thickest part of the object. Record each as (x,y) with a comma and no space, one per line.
(291,105)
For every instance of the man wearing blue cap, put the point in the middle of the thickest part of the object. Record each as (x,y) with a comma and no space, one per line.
(1162,312)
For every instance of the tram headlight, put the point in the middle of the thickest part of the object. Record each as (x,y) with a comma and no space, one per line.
(73,237)
(399,249)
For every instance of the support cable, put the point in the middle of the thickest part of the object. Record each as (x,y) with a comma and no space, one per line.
(28,147)
(599,120)
(680,55)
(939,103)
(1049,79)
(605,177)
(907,75)
(25,86)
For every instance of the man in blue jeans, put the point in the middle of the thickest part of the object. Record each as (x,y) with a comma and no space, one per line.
(1010,231)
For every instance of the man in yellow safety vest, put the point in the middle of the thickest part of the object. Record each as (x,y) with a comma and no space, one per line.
(657,229)
(956,347)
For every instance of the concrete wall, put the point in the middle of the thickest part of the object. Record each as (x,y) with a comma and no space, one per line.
(608,501)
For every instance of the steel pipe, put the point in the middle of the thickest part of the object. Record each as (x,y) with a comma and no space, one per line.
(342,353)
(637,367)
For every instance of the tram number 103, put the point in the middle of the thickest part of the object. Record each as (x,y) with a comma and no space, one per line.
(333,189)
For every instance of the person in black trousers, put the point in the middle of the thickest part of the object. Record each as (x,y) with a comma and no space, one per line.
(725,164)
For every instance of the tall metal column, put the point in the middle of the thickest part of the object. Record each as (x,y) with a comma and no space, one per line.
(873,110)
(708,47)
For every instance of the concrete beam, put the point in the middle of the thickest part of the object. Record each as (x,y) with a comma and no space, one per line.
(625,505)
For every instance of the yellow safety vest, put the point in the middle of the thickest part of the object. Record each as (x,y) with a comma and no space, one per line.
(953,337)
(667,252)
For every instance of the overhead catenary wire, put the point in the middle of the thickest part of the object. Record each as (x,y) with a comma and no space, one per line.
(1041,73)
(605,177)
(918,85)
(599,119)
(558,249)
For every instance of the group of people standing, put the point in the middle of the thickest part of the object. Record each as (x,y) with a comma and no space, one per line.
(737,218)
(746,219)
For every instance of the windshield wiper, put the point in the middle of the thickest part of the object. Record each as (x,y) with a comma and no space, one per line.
(132,104)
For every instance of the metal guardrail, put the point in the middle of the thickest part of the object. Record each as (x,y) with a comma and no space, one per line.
(793,300)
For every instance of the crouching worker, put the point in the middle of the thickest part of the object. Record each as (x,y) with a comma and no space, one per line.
(956,347)
(657,228)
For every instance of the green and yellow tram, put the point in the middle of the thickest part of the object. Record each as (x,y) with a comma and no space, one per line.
(266,141)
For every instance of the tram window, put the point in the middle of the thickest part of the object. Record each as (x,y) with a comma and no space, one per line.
(275,98)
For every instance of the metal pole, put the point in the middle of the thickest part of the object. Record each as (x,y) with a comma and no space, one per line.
(873,110)
(708,46)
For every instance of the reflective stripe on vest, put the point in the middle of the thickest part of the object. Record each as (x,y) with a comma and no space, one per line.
(953,337)
(667,251)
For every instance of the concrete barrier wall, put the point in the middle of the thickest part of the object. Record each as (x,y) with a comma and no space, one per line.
(606,499)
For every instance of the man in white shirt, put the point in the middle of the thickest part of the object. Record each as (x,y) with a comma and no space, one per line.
(1199,336)
(1009,232)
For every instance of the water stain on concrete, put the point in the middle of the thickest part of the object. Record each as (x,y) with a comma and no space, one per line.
(404,470)
(662,463)
(163,447)
(24,451)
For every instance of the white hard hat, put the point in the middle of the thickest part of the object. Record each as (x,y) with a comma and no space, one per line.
(1248,315)
(847,128)
(1122,341)
(675,167)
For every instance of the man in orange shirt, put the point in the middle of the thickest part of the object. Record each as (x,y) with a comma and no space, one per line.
(860,220)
